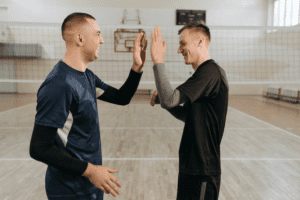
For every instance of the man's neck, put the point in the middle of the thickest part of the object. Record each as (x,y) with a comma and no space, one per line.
(202,60)
(75,62)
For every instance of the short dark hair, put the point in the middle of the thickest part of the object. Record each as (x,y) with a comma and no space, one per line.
(201,27)
(74,17)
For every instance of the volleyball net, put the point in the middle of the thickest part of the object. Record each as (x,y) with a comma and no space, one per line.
(259,55)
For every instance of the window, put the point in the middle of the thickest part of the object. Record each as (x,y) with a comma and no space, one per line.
(286,12)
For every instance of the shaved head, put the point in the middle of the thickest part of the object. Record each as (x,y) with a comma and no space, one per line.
(197,31)
(73,24)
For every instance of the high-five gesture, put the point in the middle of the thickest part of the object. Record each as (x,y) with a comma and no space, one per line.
(139,50)
(158,48)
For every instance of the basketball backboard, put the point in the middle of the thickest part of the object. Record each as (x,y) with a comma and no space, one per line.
(124,39)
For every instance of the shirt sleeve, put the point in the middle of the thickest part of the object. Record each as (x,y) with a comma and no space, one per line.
(101,87)
(169,98)
(123,95)
(43,149)
(54,99)
(203,84)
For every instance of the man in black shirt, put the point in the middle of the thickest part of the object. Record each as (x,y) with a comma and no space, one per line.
(205,98)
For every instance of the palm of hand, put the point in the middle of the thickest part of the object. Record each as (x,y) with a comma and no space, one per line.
(139,50)
(158,47)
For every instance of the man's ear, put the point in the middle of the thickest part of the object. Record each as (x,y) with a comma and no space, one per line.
(78,39)
(199,40)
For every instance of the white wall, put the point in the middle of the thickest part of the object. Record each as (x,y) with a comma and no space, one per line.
(155,12)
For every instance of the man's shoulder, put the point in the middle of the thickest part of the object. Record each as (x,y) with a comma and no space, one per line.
(206,64)
(57,78)
(209,68)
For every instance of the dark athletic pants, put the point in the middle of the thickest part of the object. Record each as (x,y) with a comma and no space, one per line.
(195,187)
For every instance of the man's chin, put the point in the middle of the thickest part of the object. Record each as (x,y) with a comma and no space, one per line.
(93,58)
(187,63)
(96,57)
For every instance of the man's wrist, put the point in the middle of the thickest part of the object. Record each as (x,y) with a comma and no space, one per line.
(87,173)
(158,61)
(137,68)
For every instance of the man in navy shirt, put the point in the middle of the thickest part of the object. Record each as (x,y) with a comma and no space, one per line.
(66,134)
(205,99)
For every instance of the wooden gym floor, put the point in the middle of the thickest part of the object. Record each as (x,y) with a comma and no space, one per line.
(259,150)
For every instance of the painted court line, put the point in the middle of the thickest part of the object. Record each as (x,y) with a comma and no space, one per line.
(275,127)
(165,159)
(163,128)
(14,109)
(263,159)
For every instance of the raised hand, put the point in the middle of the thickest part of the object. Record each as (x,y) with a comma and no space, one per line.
(139,50)
(158,48)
